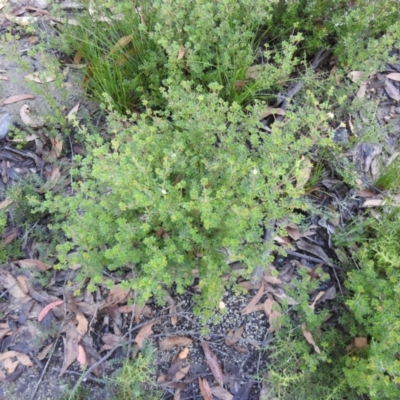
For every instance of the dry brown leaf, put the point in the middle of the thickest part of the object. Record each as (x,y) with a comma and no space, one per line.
(24,360)
(10,365)
(283,240)
(144,333)
(68,21)
(45,310)
(394,76)
(121,43)
(319,296)
(4,78)
(362,90)
(44,352)
(374,203)
(81,357)
(250,286)
(41,77)
(182,52)
(272,314)
(272,111)
(307,334)
(110,341)
(356,76)
(32,263)
(182,373)
(78,57)
(250,307)
(330,294)
(205,389)
(4,332)
(5,203)
(293,231)
(213,363)
(57,145)
(13,286)
(23,21)
(273,280)
(117,295)
(8,354)
(313,249)
(365,193)
(18,97)
(29,120)
(70,347)
(304,172)
(71,115)
(221,393)
(234,335)
(82,326)
(184,353)
(170,342)
(33,39)
(360,342)
(24,283)
(392,91)
(174,318)
(254,71)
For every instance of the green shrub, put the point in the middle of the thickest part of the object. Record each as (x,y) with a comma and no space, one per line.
(376,309)
(132,48)
(175,190)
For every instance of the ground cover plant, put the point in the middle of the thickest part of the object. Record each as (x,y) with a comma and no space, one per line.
(201,157)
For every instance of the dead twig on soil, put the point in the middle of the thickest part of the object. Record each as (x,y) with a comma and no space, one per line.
(311,258)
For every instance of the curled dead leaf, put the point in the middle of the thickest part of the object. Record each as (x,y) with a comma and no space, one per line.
(28,119)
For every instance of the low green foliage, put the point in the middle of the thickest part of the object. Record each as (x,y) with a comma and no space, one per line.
(174,189)
(135,379)
(376,310)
